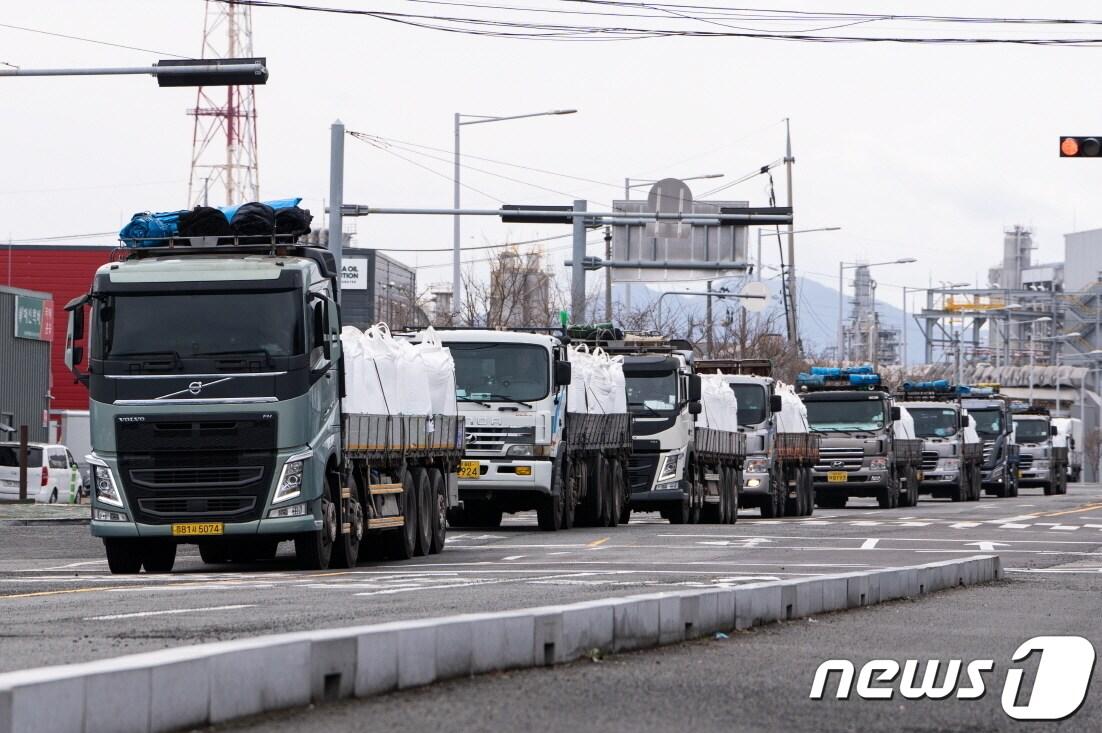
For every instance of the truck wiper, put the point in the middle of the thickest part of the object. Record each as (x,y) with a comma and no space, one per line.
(243,353)
(152,354)
(506,398)
(471,399)
(652,411)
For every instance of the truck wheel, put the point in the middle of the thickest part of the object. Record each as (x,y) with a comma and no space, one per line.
(1015,485)
(425,511)
(570,496)
(680,514)
(615,491)
(735,478)
(1049,488)
(403,542)
(314,549)
(793,505)
(549,509)
(124,556)
(439,490)
(960,491)
(888,497)
(714,513)
(350,529)
(977,483)
(599,484)
(158,556)
(808,484)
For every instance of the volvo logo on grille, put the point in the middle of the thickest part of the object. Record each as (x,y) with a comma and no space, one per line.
(195,387)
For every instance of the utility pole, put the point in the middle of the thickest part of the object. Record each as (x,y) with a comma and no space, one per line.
(608,274)
(709,339)
(336,195)
(577,273)
(793,325)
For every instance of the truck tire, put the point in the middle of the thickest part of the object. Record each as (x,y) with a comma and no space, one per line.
(794,506)
(346,549)
(1015,484)
(888,496)
(599,485)
(714,513)
(402,542)
(214,553)
(808,484)
(439,489)
(313,550)
(124,556)
(1049,488)
(425,511)
(549,509)
(570,496)
(735,478)
(158,556)
(773,505)
(960,491)
(615,491)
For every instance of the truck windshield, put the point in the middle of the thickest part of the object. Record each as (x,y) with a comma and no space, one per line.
(989,422)
(648,392)
(934,422)
(846,415)
(500,372)
(9,456)
(751,403)
(1031,431)
(196,325)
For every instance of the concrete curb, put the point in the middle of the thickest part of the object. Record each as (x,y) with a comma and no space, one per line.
(211,683)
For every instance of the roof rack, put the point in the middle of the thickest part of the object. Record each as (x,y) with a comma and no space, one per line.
(821,379)
(322,256)
(1024,408)
(752,367)
(938,390)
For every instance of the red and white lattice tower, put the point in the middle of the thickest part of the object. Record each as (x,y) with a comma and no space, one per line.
(223,148)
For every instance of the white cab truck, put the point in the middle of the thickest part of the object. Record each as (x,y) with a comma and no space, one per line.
(952,452)
(682,466)
(990,416)
(862,453)
(1069,434)
(780,451)
(215,377)
(1043,458)
(524,448)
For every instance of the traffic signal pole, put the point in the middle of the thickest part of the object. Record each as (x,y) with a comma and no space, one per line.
(793,325)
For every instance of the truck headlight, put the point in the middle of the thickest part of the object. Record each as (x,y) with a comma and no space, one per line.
(1040,465)
(522,449)
(756,465)
(290,479)
(670,465)
(878,464)
(948,464)
(104,483)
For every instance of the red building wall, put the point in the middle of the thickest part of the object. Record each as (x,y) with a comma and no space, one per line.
(66,271)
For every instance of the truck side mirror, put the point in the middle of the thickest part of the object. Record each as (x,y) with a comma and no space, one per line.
(965,421)
(321,327)
(897,414)
(563,372)
(695,407)
(1053,431)
(74,354)
(694,388)
(776,404)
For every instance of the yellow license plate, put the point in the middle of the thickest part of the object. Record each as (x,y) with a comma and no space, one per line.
(197,529)
(837,477)
(470,469)
(1021,473)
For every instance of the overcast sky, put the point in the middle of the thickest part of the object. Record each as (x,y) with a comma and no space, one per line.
(924,151)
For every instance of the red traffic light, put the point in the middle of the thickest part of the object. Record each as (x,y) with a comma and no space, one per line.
(1080,147)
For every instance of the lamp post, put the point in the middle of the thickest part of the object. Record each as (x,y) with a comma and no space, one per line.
(630,183)
(842,267)
(460,121)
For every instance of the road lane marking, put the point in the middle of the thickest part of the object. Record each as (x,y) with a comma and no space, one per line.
(39,594)
(869,544)
(1013,526)
(169,612)
(964,525)
(597,543)
(514,557)
(1077,510)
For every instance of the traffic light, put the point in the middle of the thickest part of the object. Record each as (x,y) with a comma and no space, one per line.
(1080,147)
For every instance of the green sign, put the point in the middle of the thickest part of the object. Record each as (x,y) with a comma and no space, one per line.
(34,318)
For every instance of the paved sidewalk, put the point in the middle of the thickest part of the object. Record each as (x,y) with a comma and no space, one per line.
(16,514)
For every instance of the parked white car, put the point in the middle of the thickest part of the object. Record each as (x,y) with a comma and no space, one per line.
(52,473)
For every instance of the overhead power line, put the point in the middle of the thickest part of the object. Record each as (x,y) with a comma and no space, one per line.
(88,40)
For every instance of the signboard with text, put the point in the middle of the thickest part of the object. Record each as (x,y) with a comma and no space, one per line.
(34,318)
(354,273)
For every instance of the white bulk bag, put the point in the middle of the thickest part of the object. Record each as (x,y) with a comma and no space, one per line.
(904,427)
(381,371)
(599,387)
(719,406)
(793,415)
(581,363)
(413,381)
(355,363)
(440,365)
(619,386)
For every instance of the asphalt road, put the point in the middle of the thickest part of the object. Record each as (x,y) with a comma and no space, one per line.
(59,604)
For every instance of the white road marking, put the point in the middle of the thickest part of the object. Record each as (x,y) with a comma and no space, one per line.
(1066,527)
(1006,520)
(869,544)
(915,524)
(987,546)
(514,557)
(964,525)
(169,612)
(1013,526)
(865,524)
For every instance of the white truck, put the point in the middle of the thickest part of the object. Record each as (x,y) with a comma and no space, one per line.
(688,471)
(1069,434)
(780,450)
(952,452)
(525,449)
(1043,457)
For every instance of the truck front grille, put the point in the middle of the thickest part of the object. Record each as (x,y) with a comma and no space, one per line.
(840,459)
(481,438)
(1025,462)
(641,468)
(194,478)
(929,460)
(220,506)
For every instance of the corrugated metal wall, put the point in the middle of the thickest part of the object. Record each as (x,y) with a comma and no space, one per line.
(1082,259)
(24,375)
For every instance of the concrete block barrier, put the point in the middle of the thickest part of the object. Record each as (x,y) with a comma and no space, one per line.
(190,687)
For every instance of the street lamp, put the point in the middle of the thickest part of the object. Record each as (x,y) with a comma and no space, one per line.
(762,232)
(173,72)
(842,266)
(630,183)
(460,121)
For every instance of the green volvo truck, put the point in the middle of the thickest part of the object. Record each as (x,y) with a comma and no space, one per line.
(216,380)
